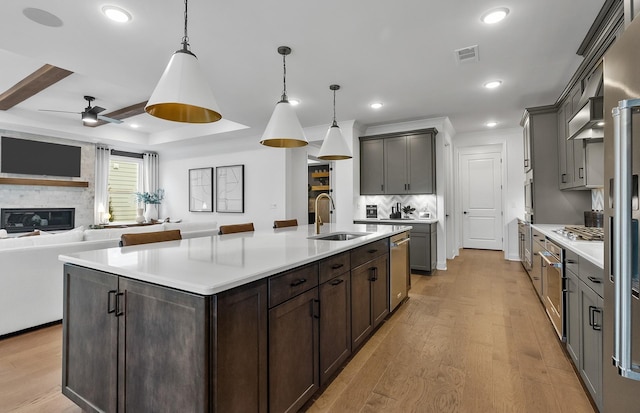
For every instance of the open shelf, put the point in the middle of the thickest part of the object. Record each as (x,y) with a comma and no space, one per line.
(43,182)
(319,174)
(319,187)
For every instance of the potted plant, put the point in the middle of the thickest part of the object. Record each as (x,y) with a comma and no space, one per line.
(408,210)
(151,201)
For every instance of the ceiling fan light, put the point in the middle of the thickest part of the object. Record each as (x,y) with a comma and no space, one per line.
(284,129)
(334,147)
(89,117)
(183,94)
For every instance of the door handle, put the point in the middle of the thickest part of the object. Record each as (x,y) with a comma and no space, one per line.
(580,173)
(119,306)
(336,266)
(111,304)
(564,180)
(298,282)
(337,282)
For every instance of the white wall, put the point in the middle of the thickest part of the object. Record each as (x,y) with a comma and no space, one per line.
(513,195)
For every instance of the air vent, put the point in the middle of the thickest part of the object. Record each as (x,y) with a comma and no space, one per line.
(467,54)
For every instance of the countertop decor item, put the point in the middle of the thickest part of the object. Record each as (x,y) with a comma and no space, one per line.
(183,93)
(334,147)
(284,129)
(408,210)
(150,197)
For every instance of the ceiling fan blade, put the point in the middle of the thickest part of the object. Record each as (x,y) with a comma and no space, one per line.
(108,119)
(96,109)
(59,111)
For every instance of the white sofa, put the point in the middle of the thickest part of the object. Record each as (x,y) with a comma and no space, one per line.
(31,276)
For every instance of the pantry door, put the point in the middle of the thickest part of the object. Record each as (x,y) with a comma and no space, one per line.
(481,186)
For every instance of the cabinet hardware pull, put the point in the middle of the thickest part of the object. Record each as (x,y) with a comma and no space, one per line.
(594,280)
(372,251)
(526,163)
(374,272)
(315,308)
(564,181)
(581,173)
(337,282)
(111,304)
(336,266)
(119,306)
(596,326)
(298,282)
(382,187)
(571,262)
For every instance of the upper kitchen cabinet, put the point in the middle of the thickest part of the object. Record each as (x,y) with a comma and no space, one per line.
(399,163)
(545,203)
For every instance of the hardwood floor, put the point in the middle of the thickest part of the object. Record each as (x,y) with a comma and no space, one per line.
(471,339)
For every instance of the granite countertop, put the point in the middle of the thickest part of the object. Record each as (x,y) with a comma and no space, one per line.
(592,251)
(397,221)
(209,265)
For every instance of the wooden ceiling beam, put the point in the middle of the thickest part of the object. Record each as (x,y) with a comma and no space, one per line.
(121,114)
(36,82)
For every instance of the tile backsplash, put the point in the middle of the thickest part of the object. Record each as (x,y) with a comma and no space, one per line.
(385,202)
(597,199)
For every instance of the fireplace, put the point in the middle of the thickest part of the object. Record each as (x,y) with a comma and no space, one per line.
(29,219)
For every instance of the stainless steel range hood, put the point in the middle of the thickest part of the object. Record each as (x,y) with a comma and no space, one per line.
(588,122)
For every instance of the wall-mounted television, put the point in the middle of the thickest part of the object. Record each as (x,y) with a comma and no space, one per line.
(24,156)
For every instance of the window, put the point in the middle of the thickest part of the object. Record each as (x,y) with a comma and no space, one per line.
(125,179)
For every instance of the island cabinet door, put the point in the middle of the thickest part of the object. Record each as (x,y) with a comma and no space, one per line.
(369,298)
(240,364)
(90,339)
(380,290)
(335,325)
(293,352)
(163,349)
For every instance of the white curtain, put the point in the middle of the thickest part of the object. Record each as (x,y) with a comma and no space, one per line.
(101,204)
(150,172)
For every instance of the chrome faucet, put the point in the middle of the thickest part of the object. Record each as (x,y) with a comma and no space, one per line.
(318,219)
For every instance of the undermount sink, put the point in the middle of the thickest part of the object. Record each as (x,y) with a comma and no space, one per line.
(339,236)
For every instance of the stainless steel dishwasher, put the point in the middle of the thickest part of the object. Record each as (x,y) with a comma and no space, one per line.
(400,269)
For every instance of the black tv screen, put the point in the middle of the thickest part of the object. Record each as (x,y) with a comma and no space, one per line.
(23,156)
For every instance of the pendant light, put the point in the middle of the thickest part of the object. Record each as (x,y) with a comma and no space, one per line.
(334,147)
(183,94)
(284,129)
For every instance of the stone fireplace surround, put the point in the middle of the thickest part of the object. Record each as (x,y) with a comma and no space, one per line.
(16,220)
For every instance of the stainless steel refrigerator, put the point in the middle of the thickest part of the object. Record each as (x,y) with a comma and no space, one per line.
(621,333)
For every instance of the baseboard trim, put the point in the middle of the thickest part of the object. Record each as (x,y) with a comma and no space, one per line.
(30,329)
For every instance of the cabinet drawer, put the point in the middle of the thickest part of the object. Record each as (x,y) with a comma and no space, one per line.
(592,275)
(333,266)
(291,283)
(571,261)
(368,252)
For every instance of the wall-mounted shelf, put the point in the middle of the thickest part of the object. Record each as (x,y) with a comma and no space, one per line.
(43,182)
(319,174)
(320,187)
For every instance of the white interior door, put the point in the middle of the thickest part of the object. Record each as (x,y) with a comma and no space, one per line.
(481,186)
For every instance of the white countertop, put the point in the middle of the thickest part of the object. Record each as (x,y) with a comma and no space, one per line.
(209,265)
(592,251)
(397,221)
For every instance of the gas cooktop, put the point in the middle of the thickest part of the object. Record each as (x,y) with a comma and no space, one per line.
(582,233)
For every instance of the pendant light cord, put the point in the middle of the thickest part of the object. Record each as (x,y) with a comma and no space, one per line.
(284,78)
(185,39)
(334,109)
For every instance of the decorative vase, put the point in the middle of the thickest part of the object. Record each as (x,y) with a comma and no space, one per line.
(150,212)
(139,215)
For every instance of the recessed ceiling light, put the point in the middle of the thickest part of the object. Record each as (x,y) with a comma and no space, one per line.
(494,15)
(134,125)
(116,14)
(294,102)
(376,105)
(42,17)
(493,84)
(491,124)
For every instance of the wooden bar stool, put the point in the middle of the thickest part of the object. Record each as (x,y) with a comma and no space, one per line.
(231,229)
(285,223)
(149,237)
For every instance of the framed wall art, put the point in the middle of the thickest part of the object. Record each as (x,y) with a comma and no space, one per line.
(201,190)
(230,188)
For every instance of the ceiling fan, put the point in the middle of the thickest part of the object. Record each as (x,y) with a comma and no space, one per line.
(90,114)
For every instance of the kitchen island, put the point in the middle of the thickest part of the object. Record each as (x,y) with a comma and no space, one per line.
(253,321)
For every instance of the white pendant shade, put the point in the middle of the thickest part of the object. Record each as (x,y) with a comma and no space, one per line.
(334,147)
(183,93)
(284,129)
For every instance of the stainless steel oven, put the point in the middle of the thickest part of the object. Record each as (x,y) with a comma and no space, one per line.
(553,285)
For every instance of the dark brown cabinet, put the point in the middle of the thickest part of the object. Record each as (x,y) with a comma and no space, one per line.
(240,376)
(117,335)
(293,352)
(335,324)
(369,298)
